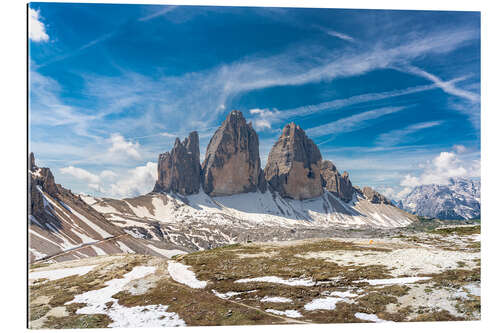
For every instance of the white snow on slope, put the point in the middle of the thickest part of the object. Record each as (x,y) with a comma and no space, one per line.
(370,317)
(263,209)
(166,253)
(124,247)
(138,316)
(275,279)
(226,295)
(56,274)
(287,313)
(276,299)
(410,261)
(181,273)
(404,280)
(98,250)
(326,303)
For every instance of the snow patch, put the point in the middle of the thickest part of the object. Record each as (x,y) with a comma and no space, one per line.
(137,316)
(370,317)
(181,273)
(327,303)
(287,313)
(275,279)
(276,299)
(166,253)
(404,280)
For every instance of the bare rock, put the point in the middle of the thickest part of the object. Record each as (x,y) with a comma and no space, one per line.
(179,169)
(375,197)
(339,185)
(232,161)
(39,179)
(293,165)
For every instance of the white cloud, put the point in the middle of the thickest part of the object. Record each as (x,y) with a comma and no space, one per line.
(81,174)
(439,170)
(398,136)
(263,119)
(36,27)
(460,149)
(352,123)
(339,35)
(137,181)
(158,13)
(108,174)
(120,146)
(447,86)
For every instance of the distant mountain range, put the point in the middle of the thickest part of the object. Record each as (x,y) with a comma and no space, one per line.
(458,200)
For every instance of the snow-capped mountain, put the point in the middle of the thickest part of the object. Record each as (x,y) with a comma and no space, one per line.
(458,200)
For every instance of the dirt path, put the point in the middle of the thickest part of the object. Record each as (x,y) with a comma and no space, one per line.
(83,246)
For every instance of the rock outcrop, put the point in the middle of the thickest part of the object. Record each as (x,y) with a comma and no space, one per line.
(332,181)
(232,161)
(375,197)
(293,165)
(179,169)
(39,178)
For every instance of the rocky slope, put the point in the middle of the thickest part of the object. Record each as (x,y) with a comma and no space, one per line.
(460,199)
(61,226)
(200,221)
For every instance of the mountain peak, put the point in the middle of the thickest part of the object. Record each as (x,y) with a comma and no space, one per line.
(232,160)
(179,169)
(293,165)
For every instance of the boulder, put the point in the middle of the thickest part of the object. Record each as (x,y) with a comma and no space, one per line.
(293,165)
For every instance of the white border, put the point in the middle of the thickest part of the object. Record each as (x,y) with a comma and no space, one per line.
(13,172)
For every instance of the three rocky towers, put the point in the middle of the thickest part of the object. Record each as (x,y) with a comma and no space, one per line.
(295,168)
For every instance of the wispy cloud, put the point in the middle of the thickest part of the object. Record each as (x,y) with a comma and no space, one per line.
(352,123)
(398,136)
(157,13)
(447,86)
(339,35)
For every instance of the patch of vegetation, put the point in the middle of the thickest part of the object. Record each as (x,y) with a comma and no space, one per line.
(78,321)
(38,311)
(441,315)
(375,302)
(197,307)
(461,231)
(39,265)
(456,277)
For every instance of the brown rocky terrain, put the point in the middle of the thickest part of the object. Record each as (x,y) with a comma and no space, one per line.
(293,165)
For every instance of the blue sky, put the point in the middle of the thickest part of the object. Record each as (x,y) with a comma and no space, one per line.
(392,97)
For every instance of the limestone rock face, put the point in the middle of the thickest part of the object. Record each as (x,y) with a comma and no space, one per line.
(43,178)
(339,185)
(293,165)
(232,161)
(179,169)
(375,197)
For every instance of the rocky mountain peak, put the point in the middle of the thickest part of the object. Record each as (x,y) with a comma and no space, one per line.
(339,185)
(232,160)
(375,197)
(179,169)
(293,165)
